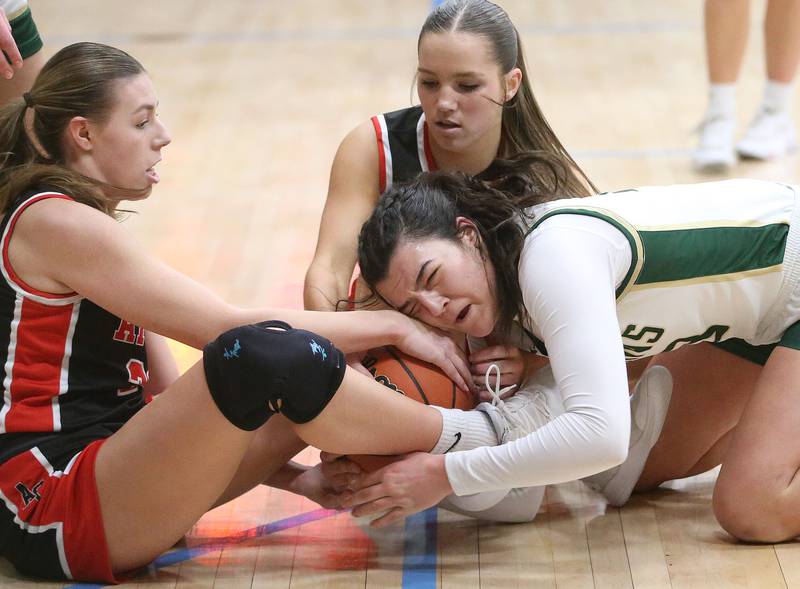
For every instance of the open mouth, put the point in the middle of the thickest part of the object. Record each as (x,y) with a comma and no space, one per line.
(152,174)
(447,125)
(464,312)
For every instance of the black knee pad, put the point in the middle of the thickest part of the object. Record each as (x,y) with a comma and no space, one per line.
(256,370)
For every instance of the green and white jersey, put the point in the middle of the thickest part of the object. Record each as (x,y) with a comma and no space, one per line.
(706,264)
(628,275)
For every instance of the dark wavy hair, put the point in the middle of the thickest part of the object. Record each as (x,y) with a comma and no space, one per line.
(524,127)
(79,80)
(496,201)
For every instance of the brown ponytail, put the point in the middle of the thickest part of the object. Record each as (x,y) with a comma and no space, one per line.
(77,81)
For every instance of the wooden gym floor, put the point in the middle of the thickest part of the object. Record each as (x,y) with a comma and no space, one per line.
(257,95)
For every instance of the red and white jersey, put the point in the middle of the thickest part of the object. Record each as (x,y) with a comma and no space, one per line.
(404,149)
(65,363)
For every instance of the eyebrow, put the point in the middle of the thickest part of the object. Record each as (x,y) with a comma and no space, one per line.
(422,70)
(417,283)
(145,107)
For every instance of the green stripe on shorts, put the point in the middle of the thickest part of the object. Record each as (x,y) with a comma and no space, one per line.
(26,35)
(743,349)
(791,337)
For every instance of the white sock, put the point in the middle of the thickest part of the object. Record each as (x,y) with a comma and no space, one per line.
(721,100)
(464,430)
(776,96)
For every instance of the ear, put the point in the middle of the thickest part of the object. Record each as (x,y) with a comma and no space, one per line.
(79,133)
(467,231)
(513,80)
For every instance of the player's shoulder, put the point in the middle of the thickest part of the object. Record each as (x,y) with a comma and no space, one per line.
(57,220)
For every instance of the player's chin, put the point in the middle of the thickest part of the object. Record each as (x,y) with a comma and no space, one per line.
(480,329)
(139,193)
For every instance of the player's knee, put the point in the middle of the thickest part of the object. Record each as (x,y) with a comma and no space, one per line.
(750,515)
(256,370)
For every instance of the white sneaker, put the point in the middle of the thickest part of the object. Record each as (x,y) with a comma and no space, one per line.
(529,409)
(770,135)
(649,405)
(714,151)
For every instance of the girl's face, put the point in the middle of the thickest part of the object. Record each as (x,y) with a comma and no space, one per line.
(461,88)
(443,283)
(122,150)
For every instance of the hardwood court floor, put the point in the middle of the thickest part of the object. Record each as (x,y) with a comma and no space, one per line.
(257,95)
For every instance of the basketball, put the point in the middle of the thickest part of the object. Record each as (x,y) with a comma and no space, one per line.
(416,380)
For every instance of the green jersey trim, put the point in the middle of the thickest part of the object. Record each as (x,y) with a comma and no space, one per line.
(741,251)
(730,276)
(628,230)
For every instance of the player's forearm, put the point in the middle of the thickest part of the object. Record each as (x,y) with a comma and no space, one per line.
(285,476)
(351,332)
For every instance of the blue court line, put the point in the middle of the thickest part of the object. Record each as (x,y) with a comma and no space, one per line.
(419,547)
(178,556)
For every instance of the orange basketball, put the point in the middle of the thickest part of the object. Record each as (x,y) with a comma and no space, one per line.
(416,380)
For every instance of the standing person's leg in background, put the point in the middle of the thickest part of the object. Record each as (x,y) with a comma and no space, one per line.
(772,132)
(726,24)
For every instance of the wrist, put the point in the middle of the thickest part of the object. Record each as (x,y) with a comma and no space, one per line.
(397,326)
(287,477)
(439,473)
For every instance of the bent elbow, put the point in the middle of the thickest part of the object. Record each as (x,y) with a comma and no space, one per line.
(618,454)
(317,272)
(613,450)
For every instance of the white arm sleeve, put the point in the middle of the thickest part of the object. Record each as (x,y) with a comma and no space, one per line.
(568,271)
(518,506)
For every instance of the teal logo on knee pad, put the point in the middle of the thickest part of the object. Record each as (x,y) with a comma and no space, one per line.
(315,347)
(234,353)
